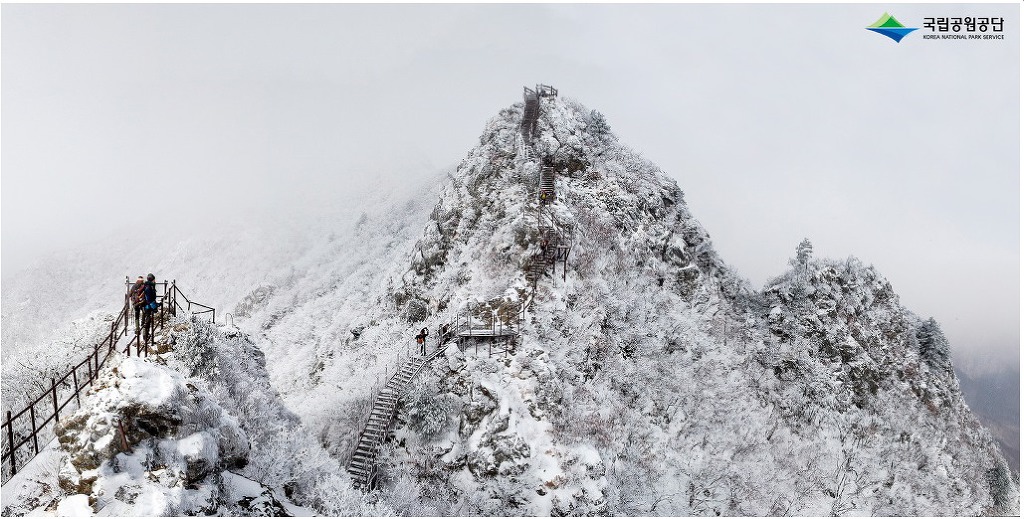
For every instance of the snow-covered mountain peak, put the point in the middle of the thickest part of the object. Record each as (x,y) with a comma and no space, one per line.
(490,221)
(652,379)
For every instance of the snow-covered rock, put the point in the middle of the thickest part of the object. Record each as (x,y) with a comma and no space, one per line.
(196,430)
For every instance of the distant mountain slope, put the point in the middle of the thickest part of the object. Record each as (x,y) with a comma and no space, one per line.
(995,399)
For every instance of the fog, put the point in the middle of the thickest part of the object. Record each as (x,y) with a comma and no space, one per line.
(779,123)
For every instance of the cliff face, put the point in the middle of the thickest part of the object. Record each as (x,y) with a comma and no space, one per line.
(654,380)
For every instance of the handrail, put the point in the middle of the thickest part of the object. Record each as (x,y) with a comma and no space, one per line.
(59,393)
(205,309)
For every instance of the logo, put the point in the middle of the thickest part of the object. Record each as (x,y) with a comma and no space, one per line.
(890,27)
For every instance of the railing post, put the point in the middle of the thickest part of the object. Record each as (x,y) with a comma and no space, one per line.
(56,408)
(89,365)
(74,378)
(32,416)
(10,443)
(162,318)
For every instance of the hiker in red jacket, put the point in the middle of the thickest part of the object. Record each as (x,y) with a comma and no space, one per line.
(421,339)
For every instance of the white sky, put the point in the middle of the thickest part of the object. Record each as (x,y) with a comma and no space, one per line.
(779,122)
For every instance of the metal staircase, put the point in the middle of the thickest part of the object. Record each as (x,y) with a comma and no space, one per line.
(466,324)
(546,192)
(531,112)
(552,244)
(363,463)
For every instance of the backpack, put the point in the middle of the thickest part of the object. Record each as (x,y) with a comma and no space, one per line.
(138,295)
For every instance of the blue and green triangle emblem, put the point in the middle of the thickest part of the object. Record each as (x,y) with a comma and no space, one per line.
(889,26)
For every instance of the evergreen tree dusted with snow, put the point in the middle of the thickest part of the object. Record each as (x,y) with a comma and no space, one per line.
(933,346)
(803,253)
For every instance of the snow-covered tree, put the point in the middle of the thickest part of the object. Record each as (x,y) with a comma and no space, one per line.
(803,253)
(598,126)
(933,346)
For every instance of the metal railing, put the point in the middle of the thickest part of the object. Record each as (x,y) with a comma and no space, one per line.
(476,320)
(30,424)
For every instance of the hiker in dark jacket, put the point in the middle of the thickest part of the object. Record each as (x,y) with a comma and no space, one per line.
(149,291)
(138,300)
(423,341)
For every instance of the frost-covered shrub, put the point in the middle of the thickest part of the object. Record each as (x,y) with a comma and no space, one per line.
(335,496)
(415,311)
(429,411)
(195,349)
